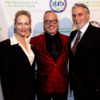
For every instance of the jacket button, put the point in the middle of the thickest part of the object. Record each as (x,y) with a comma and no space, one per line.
(55,64)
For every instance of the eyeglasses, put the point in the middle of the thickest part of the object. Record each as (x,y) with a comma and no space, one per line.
(54,21)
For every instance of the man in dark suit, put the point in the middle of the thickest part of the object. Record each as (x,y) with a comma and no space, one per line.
(51,51)
(84,56)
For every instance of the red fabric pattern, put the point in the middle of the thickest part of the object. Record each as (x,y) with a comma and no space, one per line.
(51,76)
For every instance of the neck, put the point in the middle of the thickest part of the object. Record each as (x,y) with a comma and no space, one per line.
(19,38)
(52,34)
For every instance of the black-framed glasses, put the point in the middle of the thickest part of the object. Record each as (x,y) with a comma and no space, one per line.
(54,21)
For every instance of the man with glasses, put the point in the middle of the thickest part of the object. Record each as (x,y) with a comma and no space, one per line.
(51,51)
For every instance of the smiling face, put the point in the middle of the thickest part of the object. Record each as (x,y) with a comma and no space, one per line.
(51,23)
(80,17)
(22,25)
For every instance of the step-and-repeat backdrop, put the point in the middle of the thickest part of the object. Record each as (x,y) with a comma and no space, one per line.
(8,8)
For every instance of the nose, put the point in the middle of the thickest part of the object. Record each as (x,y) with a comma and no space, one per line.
(51,23)
(23,26)
(77,17)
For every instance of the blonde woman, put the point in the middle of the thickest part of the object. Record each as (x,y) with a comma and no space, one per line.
(17,61)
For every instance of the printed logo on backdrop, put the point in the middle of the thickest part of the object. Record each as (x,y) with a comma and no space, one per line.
(94,23)
(19,3)
(58,6)
(91,3)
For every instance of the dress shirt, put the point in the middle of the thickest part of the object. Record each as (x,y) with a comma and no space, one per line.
(58,43)
(29,54)
(82,33)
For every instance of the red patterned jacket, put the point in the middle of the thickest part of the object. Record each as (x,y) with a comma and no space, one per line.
(52,76)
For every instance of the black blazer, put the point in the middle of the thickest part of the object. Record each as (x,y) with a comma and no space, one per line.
(17,75)
(85,65)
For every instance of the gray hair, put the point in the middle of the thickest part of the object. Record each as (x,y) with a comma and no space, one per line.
(81,5)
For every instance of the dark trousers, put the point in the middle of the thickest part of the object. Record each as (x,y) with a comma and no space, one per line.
(55,96)
(93,96)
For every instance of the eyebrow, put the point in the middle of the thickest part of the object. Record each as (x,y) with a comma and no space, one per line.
(77,14)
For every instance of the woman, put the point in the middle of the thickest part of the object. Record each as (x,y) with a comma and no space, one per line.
(17,61)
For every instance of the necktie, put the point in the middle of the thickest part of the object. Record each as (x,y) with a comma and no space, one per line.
(76,43)
(54,51)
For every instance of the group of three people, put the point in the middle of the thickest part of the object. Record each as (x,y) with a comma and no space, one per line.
(51,51)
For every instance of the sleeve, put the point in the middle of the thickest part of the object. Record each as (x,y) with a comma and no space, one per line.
(70,76)
(5,72)
(98,57)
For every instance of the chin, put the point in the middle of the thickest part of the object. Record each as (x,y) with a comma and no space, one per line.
(78,27)
(51,32)
(22,35)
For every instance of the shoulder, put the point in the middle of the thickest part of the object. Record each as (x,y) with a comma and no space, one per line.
(5,45)
(96,32)
(64,37)
(37,38)
(73,32)
(95,28)
(5,42)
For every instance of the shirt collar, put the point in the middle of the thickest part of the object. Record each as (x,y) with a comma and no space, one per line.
(84,28)
(50,36)
(14,40)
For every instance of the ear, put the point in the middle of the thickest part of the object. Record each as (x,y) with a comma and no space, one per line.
(14,29)
(58,23)
(30,26)
(87,16)
(43,23)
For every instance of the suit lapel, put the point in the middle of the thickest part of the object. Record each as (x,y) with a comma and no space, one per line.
(33,64)
(43,46)
(42,40)
(84,37)
(73,35)
(17,51)
(64,45)
(86,34)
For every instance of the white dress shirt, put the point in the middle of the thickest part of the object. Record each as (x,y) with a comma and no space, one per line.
(82,33)
(29,54)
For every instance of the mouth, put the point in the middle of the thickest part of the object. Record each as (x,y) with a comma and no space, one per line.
(23,30)
(78,22)
(51,27)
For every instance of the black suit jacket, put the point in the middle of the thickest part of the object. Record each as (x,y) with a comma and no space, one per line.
(17,75)
(85,65)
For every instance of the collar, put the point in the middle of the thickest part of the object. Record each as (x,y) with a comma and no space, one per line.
(84,28)
(82,33)
(14,40)
(51,37)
